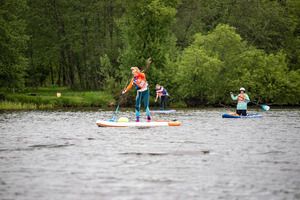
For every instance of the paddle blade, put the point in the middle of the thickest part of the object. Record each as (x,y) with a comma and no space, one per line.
(265,107)
(113,119)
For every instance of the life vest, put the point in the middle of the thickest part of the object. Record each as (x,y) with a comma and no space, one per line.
(241,98)
(140,81)
(161,91)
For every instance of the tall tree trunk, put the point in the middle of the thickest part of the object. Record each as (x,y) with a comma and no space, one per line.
(52,74)
(66,54)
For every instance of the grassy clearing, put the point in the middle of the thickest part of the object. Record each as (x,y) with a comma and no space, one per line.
(46,98)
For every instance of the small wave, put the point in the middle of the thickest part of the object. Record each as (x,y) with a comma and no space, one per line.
(143,154)
(50,145)
(38,146)
(193,142)
(153,180)
(191,152)
(277,162)
(65,138)
(273,152)
(176,153)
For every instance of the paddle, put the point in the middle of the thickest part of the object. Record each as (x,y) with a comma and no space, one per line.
(264,107)
(114,117)
(228,108)
(148,62)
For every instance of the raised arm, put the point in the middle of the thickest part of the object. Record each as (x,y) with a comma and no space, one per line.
(233,97)
(148,62)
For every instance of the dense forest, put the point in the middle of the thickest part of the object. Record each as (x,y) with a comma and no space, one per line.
(201,49)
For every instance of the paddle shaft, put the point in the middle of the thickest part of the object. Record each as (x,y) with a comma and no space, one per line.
(118,105)
(227,107)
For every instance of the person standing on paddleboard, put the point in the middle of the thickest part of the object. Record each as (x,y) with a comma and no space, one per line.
(141,85)
(243,99)
(162,93)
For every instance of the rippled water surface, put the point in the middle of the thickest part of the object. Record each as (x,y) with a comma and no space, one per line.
(64,155)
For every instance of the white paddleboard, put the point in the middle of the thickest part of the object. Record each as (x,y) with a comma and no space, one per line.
(103,123)
(163,111)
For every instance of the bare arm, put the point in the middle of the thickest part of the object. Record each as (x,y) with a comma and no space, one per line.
(128,87)
(156,97)
(233,97)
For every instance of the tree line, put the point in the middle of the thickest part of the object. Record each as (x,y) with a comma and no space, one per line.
(200,49)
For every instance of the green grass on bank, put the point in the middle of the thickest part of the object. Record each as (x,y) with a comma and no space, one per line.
(46,98)
(7,105)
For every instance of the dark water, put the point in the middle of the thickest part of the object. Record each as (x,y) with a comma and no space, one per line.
(64,155)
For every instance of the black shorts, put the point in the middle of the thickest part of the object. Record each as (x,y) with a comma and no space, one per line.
(241,112)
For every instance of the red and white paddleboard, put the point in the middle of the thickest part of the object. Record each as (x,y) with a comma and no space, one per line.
(103,123)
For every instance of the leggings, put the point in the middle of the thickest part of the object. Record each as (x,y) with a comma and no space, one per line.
(163,102)
(142,96)
(241,112)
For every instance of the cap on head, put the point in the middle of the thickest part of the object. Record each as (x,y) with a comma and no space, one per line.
(242,89)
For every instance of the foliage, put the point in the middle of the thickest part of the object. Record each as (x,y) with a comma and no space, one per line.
(66,47)
(220,62)
(12,43)
(146,33)
(201,49)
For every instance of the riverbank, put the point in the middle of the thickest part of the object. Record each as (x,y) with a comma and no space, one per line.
(49,98)
(52,98)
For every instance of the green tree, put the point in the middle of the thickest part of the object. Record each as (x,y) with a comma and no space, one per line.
(264,75)
(291,94)
(198,75)
(221,61)
(268,25)
(146,32)
(292,47)
(67,40)
(13,40)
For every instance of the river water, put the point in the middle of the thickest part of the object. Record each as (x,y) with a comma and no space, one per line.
(64,155)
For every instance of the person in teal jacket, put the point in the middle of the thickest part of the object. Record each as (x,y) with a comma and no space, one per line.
(242,99)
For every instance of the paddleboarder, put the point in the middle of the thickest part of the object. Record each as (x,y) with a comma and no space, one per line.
(162,94)
(142,88)
(243,99)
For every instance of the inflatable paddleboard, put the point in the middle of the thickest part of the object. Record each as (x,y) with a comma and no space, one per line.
(162,111)
(234,115)
(103,123)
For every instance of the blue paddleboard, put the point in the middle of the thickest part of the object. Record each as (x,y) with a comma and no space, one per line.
(233,115)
